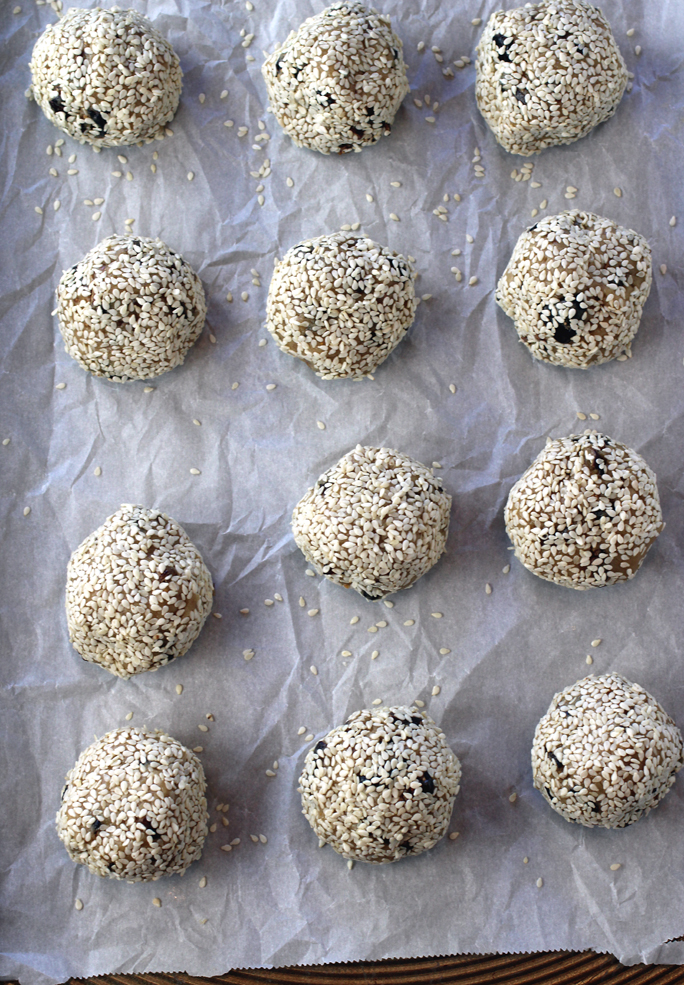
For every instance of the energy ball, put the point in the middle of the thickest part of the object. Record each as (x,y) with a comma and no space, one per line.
(336,84)
(375,522)
(547,73)
(382,786)
(585,513)
(106,77)
(130,309)
(575,287)
(605,752)
(134,807)
(137,594)
(341,303)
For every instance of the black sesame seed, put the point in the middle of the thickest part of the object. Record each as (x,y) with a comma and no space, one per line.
(320,746)
(56,105)
(427,783)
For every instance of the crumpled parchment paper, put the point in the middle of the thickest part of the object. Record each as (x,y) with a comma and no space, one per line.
(287,902)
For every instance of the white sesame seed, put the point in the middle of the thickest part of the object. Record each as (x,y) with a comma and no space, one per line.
(476,21)
(156,901)
(78,904)
(630,33)
(54,172)
(596,642)
(594,417)
(452,387)
(430,119)
(393,217)
(435,615)
(488,589)
(270,773)
(310,573)
(216,615)
(60,386)
(301,730)
(418,703)
(374,655)
(395,184)
(37,208)
(435,691)
(534,212)
(195,472)
(581,416)
(148,389)
(263,839)
(56,204)
(309,737)
(72,170)
(96,215)
(372,629)
(540,882)
(615,866)
(353,621)
(472,282)
(244,612)
(27,510)
(245,296)
(235,841)
(226,848)
(129,176)
(637,50)
(388,603)
(268,602)
(673,220)
(313,612)
(589,659)
(314,670)
(376,701)
(320,425)
(271,386)
(248,655)
(410,622)
(6,441)
(444,650)
(203,728)
(350,864)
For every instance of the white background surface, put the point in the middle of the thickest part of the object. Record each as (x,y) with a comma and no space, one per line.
(288,902)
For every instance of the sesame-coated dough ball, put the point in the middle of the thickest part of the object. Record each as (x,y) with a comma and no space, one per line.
(585,512)
(341,303)
(106,77)
(605,752)
(130,309)
(575,287)
(336,84)
(382,786)
(137,594)
(134,807)
(375,522)
(547,73)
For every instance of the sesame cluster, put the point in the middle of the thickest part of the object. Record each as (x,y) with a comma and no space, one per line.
(547,73)
(105,77)
(341,303)
(382,786)
(336,84)
(585,512)
(575,287)
(134,807)
(605,753)
(375,522)
(130,309)
(138,592)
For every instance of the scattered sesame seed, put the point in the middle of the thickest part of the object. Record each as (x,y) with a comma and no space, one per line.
(388,603)
(430,119)
(488,589)
(313,612)
(263,839)
(78,904)
(374,655)
(270,386)
(270,773)
(244,612)
(540,882)
(60,386)
(476,21)
(630,33)
(301,730)
(581,416)
(268,601)
(663,268)
(410,622)
(248,654)
(372,629)
(309,737)
(226,848)
(203,728)
(195,472)
(37,208)
(278,597)
(129,176)
(418,703)
(454,835)
(435,691)
(513,797)
(310,573)
(395,184)
(6,441)
(350,864)
(673,220)
(420,46)
(96,215)
(615,866)
(395,218)
(472,282)
(596,642)
(314,670)
(320,425)
(452,387)
(617,191)
(594,417)
(245,296)
(535,184)
(148,389)
(435,615)
(637,50)
(234,386)
(353,621)
(382,624)
(129,222)
(202,882)
(216,615)
(235,841)
(129,716)
(224,94)
(376,701)
(156,901)
(56,204)
(27,510)
(444,650)
(534,212)
(72,171)
(179,688)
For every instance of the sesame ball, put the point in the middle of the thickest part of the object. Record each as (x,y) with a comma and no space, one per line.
(605,752)
(375,522)
(341,303)
(575,287)
(336,84)
(547,73)
(106,77)
(382,786)
(137,594)
(130,309)
(134,807)
(585,512)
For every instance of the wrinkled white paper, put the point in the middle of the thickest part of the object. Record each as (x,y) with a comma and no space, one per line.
(287,902)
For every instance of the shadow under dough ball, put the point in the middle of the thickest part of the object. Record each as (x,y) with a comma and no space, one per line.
(137,593)
(106,77)
(130,309)
(547,73)
(585,512)
(341,303)
(575,287)
(134,806)
(375,522)
(605,752)
(382,786)
(336,84)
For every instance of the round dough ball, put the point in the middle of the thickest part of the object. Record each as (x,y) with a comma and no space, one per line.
(575,287)
(137,594)
(106,77)
(382,786)
(375,522)
(336,84)
(547,73)
(341,303)
(585,513)
(131,309)
(605,752)
(134,807)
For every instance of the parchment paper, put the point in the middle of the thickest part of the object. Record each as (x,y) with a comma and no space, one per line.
(287,902)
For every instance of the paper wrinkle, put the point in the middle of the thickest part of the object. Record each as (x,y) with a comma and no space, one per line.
(287,902)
